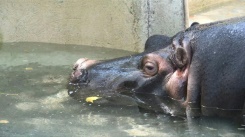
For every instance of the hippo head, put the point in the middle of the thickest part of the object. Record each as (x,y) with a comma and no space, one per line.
(154,79)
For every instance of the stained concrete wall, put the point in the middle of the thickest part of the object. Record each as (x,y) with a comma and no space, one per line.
(120,24)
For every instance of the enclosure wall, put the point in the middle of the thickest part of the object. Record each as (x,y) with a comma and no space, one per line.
(119,24)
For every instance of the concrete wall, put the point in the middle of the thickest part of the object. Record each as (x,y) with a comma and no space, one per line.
(120,24)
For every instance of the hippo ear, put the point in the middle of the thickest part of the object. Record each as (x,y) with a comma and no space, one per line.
(156,42)
(194,24)
(180,57)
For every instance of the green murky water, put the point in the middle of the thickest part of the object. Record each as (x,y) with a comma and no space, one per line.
(34,100)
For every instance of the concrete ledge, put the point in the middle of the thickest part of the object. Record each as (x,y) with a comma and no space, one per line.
(196,6)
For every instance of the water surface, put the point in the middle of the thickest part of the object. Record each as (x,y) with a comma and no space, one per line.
(34,100)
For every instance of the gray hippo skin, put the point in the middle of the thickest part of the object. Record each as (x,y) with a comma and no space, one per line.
(197,72)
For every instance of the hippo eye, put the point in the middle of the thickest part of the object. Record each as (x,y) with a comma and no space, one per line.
(150,68)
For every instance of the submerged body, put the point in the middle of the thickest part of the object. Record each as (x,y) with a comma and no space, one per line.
(199,71)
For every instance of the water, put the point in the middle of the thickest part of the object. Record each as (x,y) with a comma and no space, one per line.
(34,100)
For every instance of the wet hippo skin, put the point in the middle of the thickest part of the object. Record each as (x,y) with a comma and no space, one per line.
(197,72)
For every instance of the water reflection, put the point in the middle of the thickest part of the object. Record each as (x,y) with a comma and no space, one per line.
(34,100)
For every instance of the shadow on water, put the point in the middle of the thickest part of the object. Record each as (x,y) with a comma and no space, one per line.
(34,100)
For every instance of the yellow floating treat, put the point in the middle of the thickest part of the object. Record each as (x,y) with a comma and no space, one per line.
(29,68)
(92,99)
(4,121)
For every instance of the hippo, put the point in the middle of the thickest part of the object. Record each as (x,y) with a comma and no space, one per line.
(197,72)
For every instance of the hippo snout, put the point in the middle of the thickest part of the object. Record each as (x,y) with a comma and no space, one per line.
(79,78)
(104,78)
(80,73)
(83,63)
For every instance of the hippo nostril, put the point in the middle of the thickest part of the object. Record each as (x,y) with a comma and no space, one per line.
(128,85)
(75,67)
(84,76)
